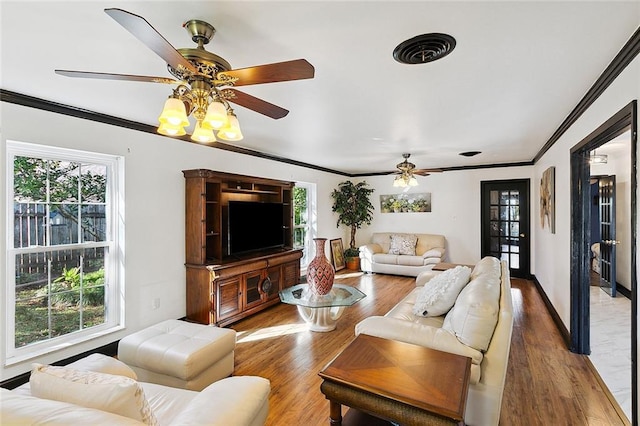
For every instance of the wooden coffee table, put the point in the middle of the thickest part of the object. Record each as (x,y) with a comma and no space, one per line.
(398,382)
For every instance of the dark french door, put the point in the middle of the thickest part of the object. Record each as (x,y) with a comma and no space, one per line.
(607,208)
(505,223)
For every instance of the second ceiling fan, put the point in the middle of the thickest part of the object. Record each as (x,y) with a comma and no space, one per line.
(205,80)
(407,171)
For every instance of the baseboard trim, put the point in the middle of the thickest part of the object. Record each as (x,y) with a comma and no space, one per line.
(623,291)
(564,332)
(110,349)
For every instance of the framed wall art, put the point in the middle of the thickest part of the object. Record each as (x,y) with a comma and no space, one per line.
(406,203)
(548,199)
(337,254)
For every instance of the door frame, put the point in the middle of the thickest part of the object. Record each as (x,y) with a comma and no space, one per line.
(619,123)
(526,183)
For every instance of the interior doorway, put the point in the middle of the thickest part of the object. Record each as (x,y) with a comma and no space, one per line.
(582,240)
(505,223)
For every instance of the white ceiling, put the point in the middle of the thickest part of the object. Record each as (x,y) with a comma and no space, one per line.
(518,70)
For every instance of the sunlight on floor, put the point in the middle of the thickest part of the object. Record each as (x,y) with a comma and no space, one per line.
(347,275)
(269,332)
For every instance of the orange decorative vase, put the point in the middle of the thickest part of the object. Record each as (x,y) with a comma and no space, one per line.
(320,273)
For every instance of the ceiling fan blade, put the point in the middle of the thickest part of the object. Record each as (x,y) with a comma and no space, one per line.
(109,76)
(426,172)
(143,31)
(257,105)
(298,69)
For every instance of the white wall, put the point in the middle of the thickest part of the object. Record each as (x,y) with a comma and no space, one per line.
(455,209)
(154,190)
(552,251)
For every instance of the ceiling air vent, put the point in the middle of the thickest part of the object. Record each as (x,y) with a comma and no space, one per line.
(424,48)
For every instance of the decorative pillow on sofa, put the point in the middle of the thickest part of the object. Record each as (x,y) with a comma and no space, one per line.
(403,244)
(107,392)
(433,253)
(103,364)
(439,294)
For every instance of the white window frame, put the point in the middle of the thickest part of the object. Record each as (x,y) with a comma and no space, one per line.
(114,259)
(311,224)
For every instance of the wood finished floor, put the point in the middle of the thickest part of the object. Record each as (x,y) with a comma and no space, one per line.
(546,384)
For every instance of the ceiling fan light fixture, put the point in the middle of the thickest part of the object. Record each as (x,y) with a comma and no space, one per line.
(171,130)
(399,182)
(231,131)
(174,113)
(216,116)
(202,134)
(598,158)
(405,180)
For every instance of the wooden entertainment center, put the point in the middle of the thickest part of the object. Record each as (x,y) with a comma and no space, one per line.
(222,288)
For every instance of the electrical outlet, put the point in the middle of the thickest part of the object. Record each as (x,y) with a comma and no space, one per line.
(155,303)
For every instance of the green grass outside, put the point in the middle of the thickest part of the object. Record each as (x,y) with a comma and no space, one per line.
(32,324)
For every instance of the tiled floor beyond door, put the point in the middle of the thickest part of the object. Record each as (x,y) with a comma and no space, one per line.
(611,343)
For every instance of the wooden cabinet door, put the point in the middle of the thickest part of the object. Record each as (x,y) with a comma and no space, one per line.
(252,288)
(273,285)
(229,301)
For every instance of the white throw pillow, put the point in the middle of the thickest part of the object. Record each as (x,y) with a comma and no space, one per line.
(439,294)
(432,253)
(103,364)
(107,392)
(403,244)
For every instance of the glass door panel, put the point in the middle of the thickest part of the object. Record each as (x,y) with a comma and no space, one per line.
(505,223)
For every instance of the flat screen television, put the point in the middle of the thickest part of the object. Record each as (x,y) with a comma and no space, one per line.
(255,226)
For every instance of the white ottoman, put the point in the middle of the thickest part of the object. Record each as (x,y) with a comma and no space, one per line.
(180,354)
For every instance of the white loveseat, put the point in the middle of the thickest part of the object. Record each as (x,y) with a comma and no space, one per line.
(378,256)
(233,401)
(479,326)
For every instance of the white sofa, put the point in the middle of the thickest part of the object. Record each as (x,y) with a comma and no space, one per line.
(375,256)
(479,326)
(233,401)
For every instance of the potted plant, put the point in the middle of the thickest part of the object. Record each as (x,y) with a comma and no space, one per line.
(351,202)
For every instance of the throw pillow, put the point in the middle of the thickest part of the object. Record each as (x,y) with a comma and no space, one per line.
(432,253)
(403,244)
(107,392)
(103,364)
(439,294)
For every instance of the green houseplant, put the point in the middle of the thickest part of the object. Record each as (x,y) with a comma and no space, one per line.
(351,202)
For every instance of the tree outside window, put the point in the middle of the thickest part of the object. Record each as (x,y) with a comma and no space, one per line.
(62,229)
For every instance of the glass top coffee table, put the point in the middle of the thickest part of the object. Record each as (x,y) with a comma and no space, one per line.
(321,312)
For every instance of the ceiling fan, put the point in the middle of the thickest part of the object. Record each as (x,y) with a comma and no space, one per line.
(407,171)
(205,81)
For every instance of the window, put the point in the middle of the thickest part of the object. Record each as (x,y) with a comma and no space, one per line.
(303,219)
(63,253)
